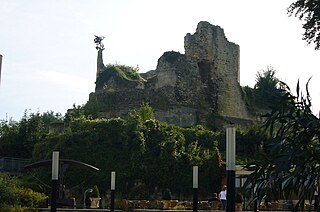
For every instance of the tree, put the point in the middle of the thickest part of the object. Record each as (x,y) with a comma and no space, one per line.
(266,80)
(142,114)
(309,11)
(248,144)
(290,163)
(74,113)
(10,145)
(266,92)
(266,89)
(17,139)
(148,155)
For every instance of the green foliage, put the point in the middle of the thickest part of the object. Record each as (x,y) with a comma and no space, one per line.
(179,207)
(17,139)
(266,93)
(92,108)
(95,192)
(249,97)
(309,11)
(9,139)
(249,144)
(290,162)
(12,194)
(140,149)
(49,117)
(267,90)
(140,115)
(74,113)
(212,121)
(120,73)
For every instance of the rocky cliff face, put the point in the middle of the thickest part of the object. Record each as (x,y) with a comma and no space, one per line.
(185,88)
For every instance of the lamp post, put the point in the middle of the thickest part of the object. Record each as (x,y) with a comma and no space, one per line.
(195,188)
(231,167)
(113,187)
(84,197)
(55,178)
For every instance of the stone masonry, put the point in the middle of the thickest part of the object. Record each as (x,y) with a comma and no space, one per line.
(185,88)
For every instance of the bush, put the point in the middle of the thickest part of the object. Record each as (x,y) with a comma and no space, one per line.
(30,198)
(13,194)
(120,73)
(95,192)
(179,207)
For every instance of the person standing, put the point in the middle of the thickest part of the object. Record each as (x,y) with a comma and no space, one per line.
(223,197)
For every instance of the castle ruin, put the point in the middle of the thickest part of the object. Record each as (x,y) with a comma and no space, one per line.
(185,89)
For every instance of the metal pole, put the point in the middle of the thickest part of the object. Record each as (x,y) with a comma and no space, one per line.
(195,188)
(231,167)
(84,197)
(55,178)
(113,187)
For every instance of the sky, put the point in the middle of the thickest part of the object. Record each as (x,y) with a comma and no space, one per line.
(49,57)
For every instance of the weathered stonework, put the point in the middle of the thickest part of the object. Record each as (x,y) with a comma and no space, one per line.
(214,53)
(185,88)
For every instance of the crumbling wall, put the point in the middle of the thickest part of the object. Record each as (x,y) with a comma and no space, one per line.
(185,88)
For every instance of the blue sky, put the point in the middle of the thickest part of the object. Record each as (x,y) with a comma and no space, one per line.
(49,57)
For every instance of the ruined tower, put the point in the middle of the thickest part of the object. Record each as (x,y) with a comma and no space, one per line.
(185,88)
(220,59)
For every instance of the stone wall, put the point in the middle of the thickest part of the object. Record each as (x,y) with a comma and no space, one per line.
(215,54)
(185,88)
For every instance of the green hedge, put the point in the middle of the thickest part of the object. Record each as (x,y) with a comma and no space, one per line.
(13,195)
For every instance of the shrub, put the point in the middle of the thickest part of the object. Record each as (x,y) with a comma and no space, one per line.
(179,207)
(95,192)
(13,194)
(120,73)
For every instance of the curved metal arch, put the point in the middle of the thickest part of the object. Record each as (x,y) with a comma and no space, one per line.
(47,163)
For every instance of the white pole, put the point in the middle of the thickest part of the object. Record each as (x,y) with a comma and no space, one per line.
(113,180)
(113,187)
(55,178)
(55,165)
(195,189)
(231,148)
(195,176)
(231,167)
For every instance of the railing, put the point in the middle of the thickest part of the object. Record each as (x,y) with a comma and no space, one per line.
(13,166)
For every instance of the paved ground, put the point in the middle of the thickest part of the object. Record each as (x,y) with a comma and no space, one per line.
(134,210)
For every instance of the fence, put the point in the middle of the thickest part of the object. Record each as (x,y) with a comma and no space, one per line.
(13,166)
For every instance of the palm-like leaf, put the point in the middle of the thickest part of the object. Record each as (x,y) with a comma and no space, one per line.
(291,163)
